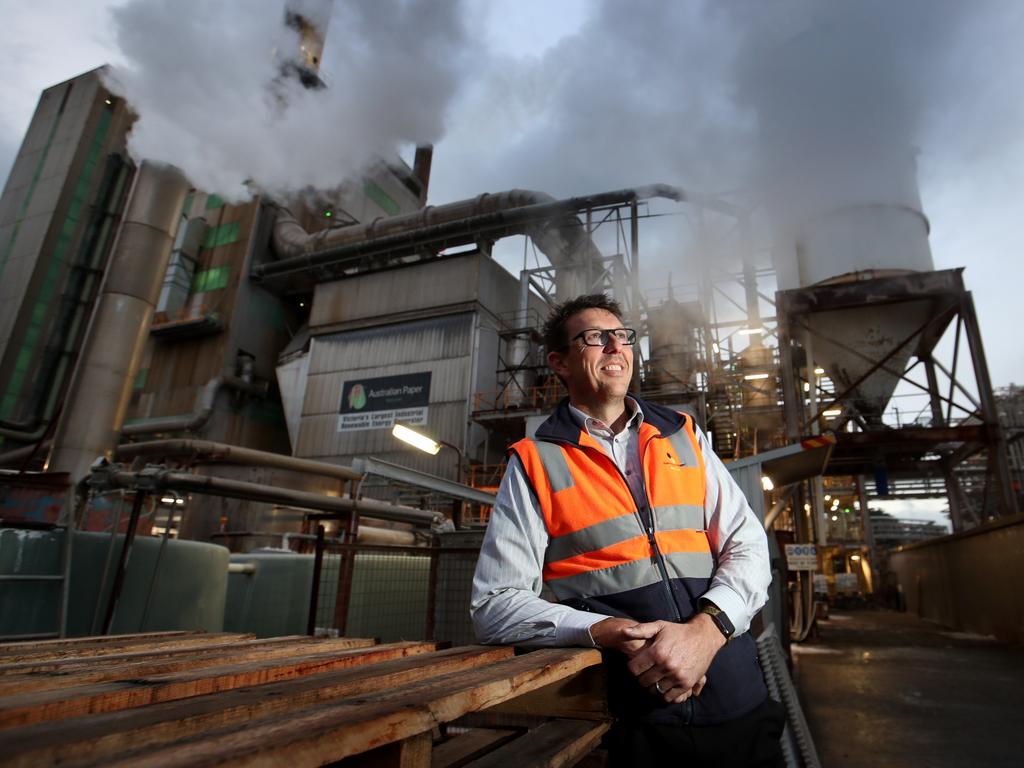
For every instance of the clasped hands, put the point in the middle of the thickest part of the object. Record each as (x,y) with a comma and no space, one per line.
(669,659)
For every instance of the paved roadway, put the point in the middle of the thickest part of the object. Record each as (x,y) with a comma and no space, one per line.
(887,690)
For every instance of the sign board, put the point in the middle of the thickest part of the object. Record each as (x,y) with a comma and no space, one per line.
(847,582)
(820,584)
(802,557)
(379,402)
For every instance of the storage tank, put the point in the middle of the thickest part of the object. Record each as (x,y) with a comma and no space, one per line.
(673,359)
(184,587)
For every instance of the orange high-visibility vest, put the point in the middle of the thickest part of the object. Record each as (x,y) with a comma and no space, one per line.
(599,544)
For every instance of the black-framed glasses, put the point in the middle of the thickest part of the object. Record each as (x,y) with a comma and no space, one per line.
(599,337)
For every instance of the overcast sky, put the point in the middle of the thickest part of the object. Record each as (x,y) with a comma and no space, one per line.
(572,97)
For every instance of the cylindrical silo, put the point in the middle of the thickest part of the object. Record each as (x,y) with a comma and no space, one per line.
(840,183)
(673,358)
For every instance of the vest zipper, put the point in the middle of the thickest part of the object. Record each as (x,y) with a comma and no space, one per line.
(647,526)
(658,557)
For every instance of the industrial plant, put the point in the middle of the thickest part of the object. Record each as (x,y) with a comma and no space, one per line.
(284,417)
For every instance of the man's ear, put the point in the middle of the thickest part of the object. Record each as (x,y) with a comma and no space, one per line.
(556,362)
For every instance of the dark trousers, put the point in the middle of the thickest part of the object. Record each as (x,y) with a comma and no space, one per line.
(751,741)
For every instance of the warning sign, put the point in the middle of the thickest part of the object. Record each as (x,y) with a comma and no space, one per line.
(802,557)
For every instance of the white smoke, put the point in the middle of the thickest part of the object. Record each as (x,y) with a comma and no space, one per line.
(199,74)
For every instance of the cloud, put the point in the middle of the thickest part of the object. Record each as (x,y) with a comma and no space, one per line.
(199,72)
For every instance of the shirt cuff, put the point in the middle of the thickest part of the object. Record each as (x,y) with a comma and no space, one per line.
(574,628)
(731,604)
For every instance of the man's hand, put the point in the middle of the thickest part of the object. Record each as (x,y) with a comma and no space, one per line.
(675,656)
(611,633)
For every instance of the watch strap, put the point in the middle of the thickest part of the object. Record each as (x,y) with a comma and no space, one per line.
(720,618)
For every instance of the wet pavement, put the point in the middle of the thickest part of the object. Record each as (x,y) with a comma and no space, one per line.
(885,689)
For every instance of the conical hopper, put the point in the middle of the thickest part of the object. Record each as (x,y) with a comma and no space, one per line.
(848,343)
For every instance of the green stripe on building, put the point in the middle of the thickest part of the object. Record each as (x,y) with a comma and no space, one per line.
(380,197)
(55,266)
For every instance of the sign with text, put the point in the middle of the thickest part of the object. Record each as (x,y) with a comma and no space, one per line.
(802,557)
(379,402)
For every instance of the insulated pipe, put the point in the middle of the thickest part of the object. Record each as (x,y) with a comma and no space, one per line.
(90,423)
(221,453)
(551,223)
(195,421)
(238,489)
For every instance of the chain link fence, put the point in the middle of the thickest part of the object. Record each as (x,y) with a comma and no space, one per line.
(394,593)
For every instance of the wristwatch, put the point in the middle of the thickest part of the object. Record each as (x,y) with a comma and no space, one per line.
(720,618)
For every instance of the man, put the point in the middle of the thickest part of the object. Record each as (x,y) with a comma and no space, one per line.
(620,508)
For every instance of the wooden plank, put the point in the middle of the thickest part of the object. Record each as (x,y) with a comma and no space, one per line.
(413,752)
(84,673)
(581,697)
(27,708)
(66,642)
(475,742)
(334,731)
(159,652)
(101,648)
(557,744)
(98,737)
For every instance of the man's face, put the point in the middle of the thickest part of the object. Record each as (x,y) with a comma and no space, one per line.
(594,375)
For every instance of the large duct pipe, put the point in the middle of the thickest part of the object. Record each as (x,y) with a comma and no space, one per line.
(551,223)
(94,409)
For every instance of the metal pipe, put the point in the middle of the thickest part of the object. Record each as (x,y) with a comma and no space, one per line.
(195,421)
(222,453)
(122,563)
(93,412)
(314,592)
(238,489)
(549,222)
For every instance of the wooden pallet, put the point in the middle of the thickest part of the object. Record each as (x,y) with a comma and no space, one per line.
(195,699)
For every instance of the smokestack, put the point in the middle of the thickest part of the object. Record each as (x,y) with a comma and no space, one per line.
(97,399)
(421,169)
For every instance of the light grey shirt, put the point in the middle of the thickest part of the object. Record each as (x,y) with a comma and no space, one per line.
(506,603)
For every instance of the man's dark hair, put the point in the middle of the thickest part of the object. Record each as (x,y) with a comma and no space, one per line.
(554,328)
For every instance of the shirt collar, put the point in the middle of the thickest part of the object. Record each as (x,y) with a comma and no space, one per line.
(589,424)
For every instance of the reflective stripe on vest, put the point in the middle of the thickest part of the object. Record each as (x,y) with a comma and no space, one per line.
(597,545)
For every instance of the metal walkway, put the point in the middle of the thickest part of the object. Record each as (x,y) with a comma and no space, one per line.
(887,690)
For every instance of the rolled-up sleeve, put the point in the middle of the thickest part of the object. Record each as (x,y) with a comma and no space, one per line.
(506,605)
(743,568)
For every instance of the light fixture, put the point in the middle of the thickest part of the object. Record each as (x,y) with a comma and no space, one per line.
(828,497)
(855,558)
(766,483)
(807,386)
(167,500)
(714,346)
(415,439)
(754,376)
(819,371)
(832,413)
(834,518)
(750,331)
(108,102)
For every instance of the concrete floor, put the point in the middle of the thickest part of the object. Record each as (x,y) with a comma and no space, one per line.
(885,689)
